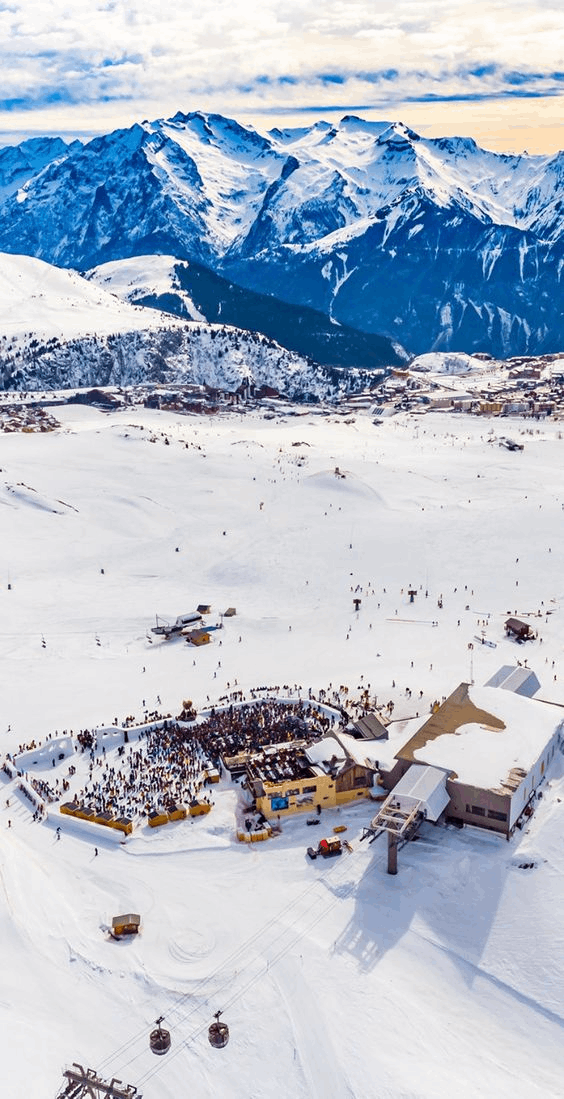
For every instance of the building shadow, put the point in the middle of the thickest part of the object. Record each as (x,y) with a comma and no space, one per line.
(447,891)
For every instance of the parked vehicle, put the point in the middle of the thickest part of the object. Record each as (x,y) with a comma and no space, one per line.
(327,848)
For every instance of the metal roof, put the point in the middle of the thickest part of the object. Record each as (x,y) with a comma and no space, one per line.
(521,681)
(425,784)
(371,728)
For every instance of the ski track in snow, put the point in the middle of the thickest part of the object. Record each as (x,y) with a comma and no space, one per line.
(318,1056)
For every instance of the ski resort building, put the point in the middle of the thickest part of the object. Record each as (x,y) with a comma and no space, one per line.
(322,774)
(496,744)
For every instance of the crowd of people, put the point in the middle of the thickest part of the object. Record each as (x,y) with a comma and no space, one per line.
(169,766)
(164,762)
(249,727)
(162,769)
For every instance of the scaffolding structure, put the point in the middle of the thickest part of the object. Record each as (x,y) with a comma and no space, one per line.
(86,1084)
(400,820)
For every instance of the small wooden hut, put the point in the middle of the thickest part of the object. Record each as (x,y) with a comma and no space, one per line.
(197,808)
(521,631)
(176,812)
(198,637)
(156,818)
(127,924)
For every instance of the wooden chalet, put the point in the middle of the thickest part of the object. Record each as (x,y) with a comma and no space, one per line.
(521,631)
(198,637)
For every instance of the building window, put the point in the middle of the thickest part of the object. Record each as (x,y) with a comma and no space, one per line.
(494,815)
(478,811)
(310,789)
(292,793)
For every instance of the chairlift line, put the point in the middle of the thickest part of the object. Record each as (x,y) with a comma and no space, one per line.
(140,1037)
(252,980)
(231,958)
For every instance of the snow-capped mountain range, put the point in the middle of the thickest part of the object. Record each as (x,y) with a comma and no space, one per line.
(434,243)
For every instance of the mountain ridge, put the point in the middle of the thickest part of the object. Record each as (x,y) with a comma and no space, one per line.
(373,204)
(195,292)
(60,330)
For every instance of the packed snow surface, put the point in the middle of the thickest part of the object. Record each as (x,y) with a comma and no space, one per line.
(337,981)
(55,303)
(450,362)
(143,276)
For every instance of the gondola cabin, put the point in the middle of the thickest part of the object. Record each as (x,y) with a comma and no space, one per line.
(127,924)
(159,1040)
(218,1032)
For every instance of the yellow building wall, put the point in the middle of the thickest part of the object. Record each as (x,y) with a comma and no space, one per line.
(323,795)
(351,795)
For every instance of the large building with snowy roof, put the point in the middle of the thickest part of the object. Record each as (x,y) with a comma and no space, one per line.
(497,745)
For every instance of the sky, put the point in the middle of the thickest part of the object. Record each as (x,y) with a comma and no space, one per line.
(491,69)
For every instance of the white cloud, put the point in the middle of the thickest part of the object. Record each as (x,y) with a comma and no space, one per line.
(120,59)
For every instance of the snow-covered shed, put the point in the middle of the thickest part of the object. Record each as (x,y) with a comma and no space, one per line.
(128,924)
